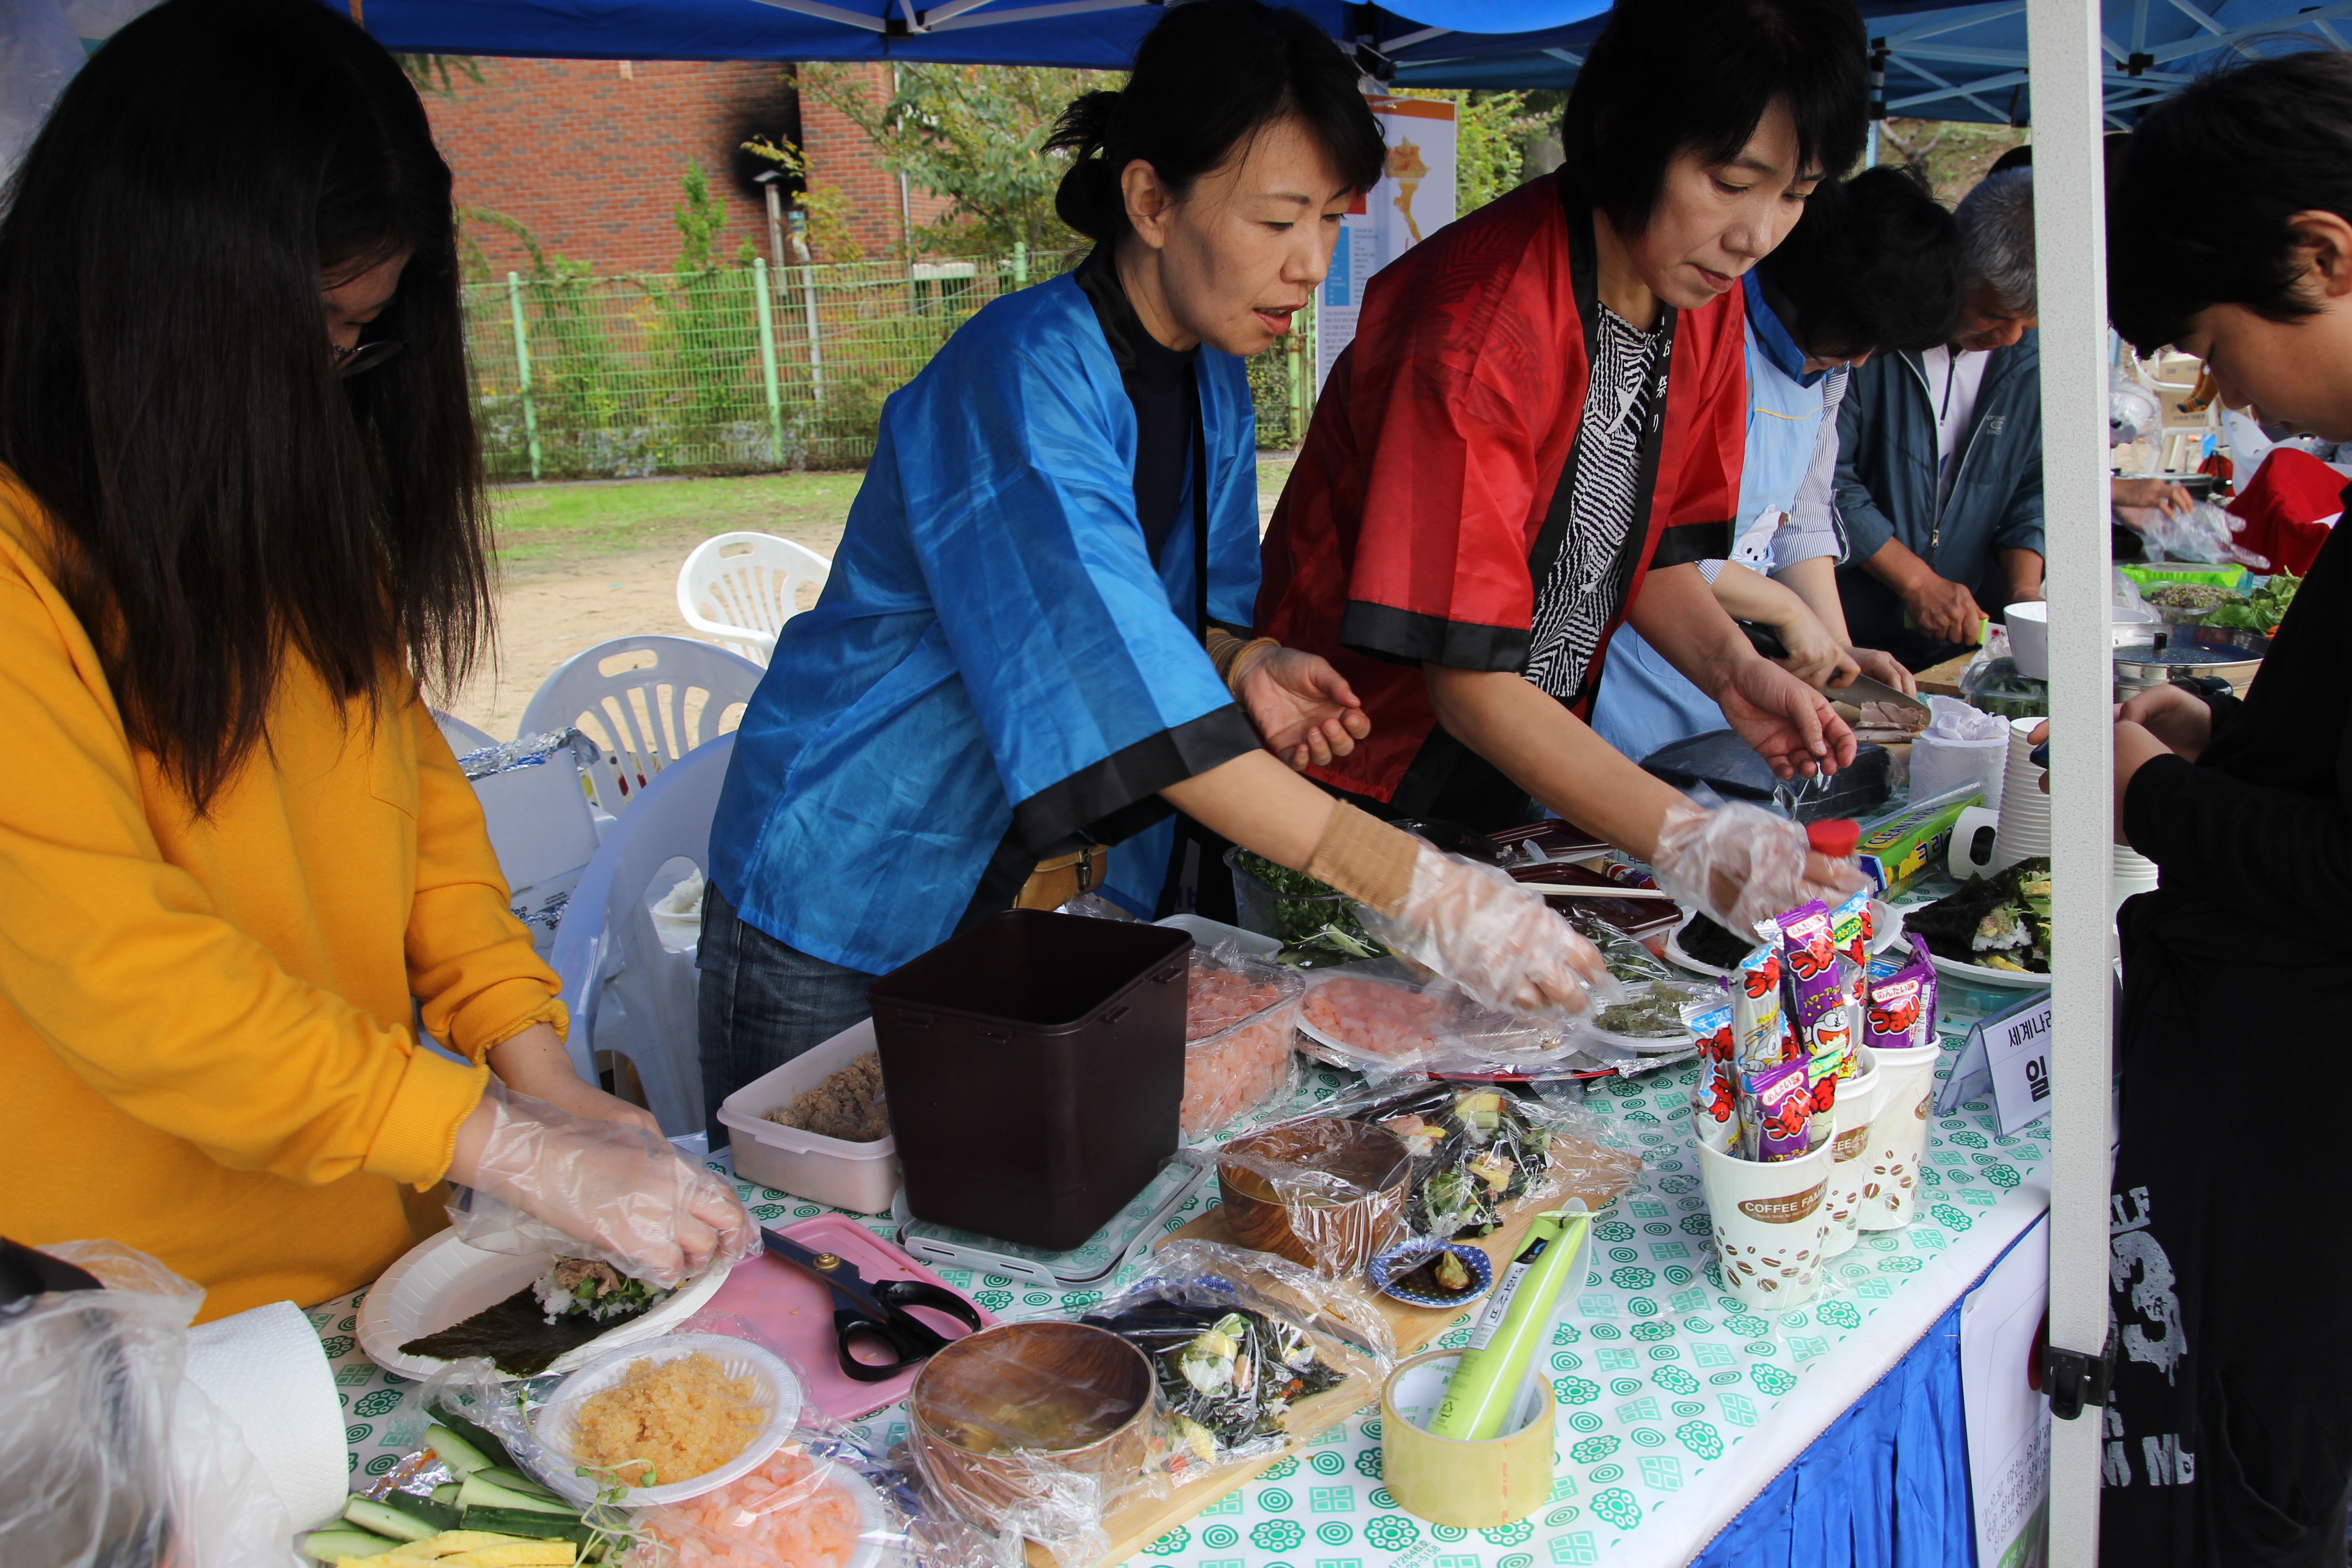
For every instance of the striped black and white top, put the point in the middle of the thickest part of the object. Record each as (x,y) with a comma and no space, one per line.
(1588,578)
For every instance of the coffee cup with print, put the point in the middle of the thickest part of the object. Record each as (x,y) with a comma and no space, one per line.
(1898,1137)
(1768,1219)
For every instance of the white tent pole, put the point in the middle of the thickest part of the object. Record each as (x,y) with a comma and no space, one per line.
(2064,44)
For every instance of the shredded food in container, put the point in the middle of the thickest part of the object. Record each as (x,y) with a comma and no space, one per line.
(667,1421)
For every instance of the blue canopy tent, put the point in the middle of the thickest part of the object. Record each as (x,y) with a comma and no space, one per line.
(1096,33)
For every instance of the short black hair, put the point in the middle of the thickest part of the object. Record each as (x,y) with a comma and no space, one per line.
(1877,264)
(2255,144)
(1667,76)
(1207,77)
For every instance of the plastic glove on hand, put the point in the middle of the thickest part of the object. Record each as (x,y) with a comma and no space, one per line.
(1740,864)
(1498,940)
(547,1181)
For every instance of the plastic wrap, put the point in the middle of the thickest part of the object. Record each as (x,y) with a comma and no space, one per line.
(1385,1022)
(1496,939)
(1241,1015)
(549,1182)
(1235,1339)
(1739,864)
(1329,1190)
(1038,1430)
(1628,958)
(820,1501)
(111,1456)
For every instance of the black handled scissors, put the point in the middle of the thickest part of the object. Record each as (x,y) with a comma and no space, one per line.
(876,1315)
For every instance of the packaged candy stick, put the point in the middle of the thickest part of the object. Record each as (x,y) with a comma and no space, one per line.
(1850,929)
(1810,960)
(1715,1097)
(1776,1112)
(1901,1013)
(1757,1030)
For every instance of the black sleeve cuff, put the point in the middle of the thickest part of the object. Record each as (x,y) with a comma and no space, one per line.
(2151,803)
(1401,636)
(1689,542)
(1118,797)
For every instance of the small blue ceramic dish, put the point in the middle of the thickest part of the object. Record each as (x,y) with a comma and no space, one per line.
(1395,1272)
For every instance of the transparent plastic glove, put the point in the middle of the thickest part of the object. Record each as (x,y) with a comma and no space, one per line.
(1741,864)
(540,1180)
(1493,938)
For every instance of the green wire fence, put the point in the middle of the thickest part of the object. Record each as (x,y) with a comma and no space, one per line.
(742,369)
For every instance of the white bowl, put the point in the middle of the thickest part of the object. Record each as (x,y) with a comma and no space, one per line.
(2028,638)
(441,1282)
(553,1422)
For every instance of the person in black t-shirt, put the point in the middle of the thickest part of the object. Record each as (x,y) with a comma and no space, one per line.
(2229,1435)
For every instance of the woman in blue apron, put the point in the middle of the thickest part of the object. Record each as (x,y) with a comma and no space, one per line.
(1875,264)
(1035,641)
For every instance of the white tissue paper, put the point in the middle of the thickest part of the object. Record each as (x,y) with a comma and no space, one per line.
(266,1372)
(1960,745)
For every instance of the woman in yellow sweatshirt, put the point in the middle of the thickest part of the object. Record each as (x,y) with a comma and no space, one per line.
(242,511)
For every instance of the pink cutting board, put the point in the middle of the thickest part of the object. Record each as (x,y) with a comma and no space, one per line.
(795,1312)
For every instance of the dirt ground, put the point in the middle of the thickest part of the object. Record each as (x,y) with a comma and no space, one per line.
(569,584)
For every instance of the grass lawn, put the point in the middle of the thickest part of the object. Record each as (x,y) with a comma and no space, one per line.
(546,527)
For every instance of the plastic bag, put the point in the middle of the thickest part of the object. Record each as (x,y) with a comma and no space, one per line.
(1236,1339)
(1038,1430)
(1466,1158)
(1241,1015)
(1383,1020)
(2204,532)
(526,751)
(820,1501)
(1961,745)
(111,1456)
(1628,957)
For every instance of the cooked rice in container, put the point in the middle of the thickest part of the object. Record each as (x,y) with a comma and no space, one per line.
(675,1420)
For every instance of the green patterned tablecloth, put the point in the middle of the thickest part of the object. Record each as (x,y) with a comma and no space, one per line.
(1677,1406)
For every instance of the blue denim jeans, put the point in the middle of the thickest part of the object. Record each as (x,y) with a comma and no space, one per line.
(761,1004)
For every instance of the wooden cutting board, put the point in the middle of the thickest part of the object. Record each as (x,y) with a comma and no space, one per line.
(1141,1521)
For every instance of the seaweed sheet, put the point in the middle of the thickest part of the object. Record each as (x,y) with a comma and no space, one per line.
(1949,924)
(515,1334)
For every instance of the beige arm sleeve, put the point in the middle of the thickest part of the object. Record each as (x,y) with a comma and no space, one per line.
(1365,859)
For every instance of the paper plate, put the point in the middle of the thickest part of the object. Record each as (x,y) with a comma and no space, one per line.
(1654,1044)
(772,1382)
(1983,974)
(441,1282)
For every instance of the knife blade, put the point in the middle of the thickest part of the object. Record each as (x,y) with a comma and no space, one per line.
(1864,689)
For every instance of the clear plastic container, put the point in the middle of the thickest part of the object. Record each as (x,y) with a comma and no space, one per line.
(1241,1015)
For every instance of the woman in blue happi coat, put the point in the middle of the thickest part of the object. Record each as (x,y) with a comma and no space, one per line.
(1875,265)
(1035,645)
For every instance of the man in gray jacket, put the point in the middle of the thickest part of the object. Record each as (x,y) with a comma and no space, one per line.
(1939,455)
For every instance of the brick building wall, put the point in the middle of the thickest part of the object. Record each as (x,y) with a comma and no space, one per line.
(588,156)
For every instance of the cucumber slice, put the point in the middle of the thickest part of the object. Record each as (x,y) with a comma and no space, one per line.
(477,1493)
(326,1545)
(440,1516)
(531,1526)
(514,1480)
(384,1521)
(446,1494)
(456,1452)
(481,1441)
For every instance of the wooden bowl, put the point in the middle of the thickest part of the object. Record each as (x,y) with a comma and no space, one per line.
(999,1419)
(1320,1232)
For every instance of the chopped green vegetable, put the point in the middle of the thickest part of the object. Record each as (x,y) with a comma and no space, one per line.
(2264,611)
(381,1520)
(1305,913)
(327,1545)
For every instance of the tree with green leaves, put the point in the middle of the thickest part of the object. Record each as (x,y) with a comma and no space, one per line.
(974,134)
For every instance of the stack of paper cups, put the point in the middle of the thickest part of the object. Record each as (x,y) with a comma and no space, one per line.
(1769,1222)
(1898,1137)
(2133,873)
(2024,829)
(1857,1107)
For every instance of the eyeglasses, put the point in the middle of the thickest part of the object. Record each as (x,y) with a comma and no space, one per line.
(361,356)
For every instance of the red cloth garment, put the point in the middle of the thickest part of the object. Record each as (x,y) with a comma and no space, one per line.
(1414,529)
(2288,508)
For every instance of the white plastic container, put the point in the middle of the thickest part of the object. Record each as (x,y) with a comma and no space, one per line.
(773,1382)
(859,1178)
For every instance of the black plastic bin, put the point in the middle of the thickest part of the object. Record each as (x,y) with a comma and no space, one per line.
(1035,1064)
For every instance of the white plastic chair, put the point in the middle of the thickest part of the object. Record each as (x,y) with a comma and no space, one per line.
(634,698)
(462,737)
(628,994)
(742,587)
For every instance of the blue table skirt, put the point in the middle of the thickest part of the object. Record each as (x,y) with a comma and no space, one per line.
(1886,1487)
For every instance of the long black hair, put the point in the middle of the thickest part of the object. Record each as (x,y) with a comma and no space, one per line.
(222,500)
(1877,264)
(1670,76)
(2261,141)
(1207,75)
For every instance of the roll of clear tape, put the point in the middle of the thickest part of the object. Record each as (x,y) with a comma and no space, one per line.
(1463,1485)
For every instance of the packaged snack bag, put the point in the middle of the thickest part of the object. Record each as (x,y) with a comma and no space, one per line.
(1776,1112)
(1901,1010)
(1715,1097)
(1758,1020)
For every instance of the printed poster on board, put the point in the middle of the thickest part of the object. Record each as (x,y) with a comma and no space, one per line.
(1414,200)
